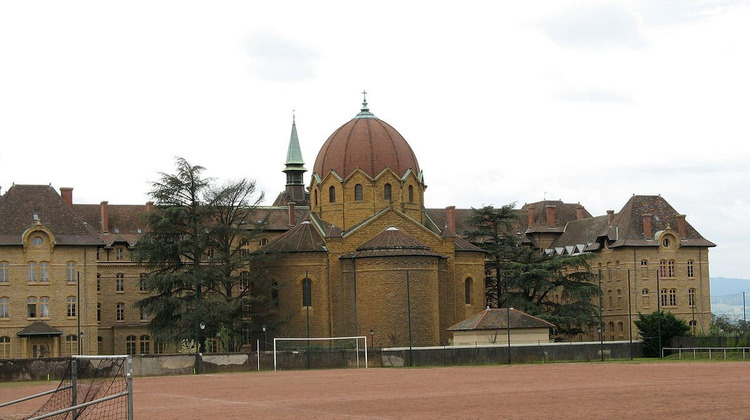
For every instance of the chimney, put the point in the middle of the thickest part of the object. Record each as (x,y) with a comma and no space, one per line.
(681,226)
(610,216)
(450,218)
(67,195)
(647,226)
(550,215)
(149,206)
(530,215)
(105,216)
(292,214)
(580,213)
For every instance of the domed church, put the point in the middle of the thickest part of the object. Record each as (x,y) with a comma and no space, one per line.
(367,259)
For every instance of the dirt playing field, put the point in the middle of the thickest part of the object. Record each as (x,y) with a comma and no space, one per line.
(577,390)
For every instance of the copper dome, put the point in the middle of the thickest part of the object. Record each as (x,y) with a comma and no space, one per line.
(367,143)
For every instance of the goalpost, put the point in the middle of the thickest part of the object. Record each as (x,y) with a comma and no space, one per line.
(93,387)
(308,339)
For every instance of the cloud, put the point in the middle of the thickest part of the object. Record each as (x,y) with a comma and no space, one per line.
(667,12)
(279,59)
(597,96)
(602,26)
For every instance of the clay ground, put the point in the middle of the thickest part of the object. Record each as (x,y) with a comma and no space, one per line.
(644,390)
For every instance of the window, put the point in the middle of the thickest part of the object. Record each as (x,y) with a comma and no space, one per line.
(672,297)
(144,315)
(130,344)
(411,194)
(120,311)
(621,326)
(665,243)
(609,298)
(120,282)
(31,272)
(331,194)
(119,252)
(387,192)
(98,312)
(44,272)
(619,298)
(4,307)
(244,250)
(71,344)
(263,242)
(663,268)
(142,282)
(670,266)
(71,270)
(690,269)
(37,241)
(691,297)
(71,306)
(244,280)
(467,291)
(645,300)
(306,293)
(159,347)
(31,308)
(98,282)
(44,307)
(4,272)
(358,194)
(5,347)
(274,294)
(145,343)
(663,297)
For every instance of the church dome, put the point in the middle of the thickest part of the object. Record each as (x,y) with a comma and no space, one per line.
(368,143)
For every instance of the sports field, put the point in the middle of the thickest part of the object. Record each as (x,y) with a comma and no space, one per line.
(643,390)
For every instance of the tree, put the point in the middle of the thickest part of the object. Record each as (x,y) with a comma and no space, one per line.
(559,289)
(657,329)
(199,269)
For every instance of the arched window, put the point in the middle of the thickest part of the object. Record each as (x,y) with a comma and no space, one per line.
(358,195)
(145,343)
(411,194)
(621,326)
(31,309)
(130,344)
(663,297)
(467,291)
(691,297)
(306,293)
(645,298)
(331,194)
(672,297)
(387,192)
(44,307)
(274,294)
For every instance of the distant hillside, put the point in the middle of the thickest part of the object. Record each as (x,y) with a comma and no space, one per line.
(727,299)
(721,286)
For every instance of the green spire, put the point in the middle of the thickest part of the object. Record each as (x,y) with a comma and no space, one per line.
(294,153)
(365,111)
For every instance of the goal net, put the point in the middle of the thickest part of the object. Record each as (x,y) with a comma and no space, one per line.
(320,352)
(94,387)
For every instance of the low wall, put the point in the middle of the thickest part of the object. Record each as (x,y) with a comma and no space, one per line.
(182,364)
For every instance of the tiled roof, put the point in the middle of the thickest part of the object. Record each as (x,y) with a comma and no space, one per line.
(392,242)
(496,319)
(301,238)
(19,205)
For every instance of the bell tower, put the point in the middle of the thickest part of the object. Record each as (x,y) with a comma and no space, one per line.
(294,169)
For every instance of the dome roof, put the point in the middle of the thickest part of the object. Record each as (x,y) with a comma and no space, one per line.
(367,143)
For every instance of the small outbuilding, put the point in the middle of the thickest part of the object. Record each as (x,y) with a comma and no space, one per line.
(491,327)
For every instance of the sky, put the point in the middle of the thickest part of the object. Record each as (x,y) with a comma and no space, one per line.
(587,102)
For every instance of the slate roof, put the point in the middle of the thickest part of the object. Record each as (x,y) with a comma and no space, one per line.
(497,319)
(21,202)
(39,328)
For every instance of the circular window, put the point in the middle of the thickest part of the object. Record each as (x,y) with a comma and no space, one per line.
(37,241)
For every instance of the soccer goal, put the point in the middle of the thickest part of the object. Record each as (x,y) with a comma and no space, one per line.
(308,345)
(93,387)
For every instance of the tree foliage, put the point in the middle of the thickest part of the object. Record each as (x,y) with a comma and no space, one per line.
(560,289)
(657,329)
(198,270)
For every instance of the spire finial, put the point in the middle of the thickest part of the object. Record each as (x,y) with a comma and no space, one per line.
(294,118)
(365,111)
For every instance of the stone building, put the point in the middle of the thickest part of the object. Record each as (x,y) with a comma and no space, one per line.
(358,253)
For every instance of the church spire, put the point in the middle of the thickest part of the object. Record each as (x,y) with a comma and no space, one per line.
(295,167)
(365,111)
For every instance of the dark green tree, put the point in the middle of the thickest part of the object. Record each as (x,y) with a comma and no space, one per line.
(560,289)
(199,266)
(656,326)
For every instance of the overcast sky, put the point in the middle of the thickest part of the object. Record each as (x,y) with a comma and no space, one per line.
(502,102)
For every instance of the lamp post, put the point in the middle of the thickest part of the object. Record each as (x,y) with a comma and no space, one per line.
(265,337)
(372,338)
